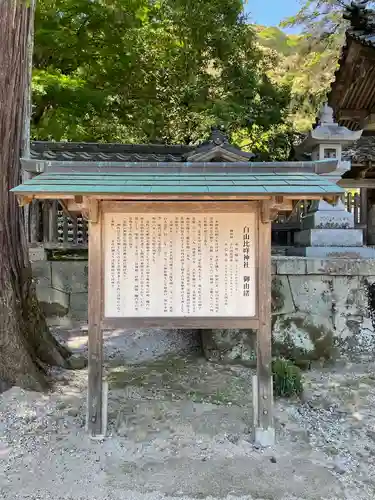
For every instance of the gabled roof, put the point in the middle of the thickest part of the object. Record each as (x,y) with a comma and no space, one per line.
(216,148)
(212,168)
(86,151)
(289,178)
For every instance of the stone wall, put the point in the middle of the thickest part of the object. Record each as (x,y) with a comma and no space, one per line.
(62,289)
(319,308)
(323,307)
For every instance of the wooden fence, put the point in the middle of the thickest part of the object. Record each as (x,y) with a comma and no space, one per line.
(56,229)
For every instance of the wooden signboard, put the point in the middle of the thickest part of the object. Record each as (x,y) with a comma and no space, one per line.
(179,265)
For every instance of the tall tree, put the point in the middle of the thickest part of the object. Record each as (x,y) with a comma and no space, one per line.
(149,70)
(26,344)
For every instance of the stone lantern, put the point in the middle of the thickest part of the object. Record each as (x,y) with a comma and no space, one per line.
(326,141)
(328,230)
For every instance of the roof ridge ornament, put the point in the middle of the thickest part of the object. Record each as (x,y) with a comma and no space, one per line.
(218,148)
(359,16)
(326,116)
(218,136)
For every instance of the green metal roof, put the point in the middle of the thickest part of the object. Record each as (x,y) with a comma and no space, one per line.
(132,182)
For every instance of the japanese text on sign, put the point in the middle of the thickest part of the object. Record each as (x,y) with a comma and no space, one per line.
(179,265)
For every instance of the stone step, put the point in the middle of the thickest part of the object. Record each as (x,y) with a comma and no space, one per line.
(329,237)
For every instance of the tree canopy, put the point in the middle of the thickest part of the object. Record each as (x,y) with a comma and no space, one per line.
(311,68)
(151,70)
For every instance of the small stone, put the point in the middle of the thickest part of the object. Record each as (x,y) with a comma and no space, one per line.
(339,467)
(233,438)
(273,460)
(73,412)
(77,362)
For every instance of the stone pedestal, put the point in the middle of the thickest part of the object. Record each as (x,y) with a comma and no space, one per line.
(329,230)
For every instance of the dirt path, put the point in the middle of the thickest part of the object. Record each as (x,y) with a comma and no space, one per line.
(180,427)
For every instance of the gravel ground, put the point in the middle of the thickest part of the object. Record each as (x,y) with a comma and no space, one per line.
(179,427)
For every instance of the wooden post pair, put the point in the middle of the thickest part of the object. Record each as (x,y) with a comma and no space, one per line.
(264,433)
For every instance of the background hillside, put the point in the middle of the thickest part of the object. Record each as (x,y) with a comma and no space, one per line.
(308,69)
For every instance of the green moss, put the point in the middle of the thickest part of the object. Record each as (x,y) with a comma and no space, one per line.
(277,298)
(321,338)
(176,378)
(76,254)
(53,309)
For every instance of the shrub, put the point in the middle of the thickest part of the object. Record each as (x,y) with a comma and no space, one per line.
(287,378)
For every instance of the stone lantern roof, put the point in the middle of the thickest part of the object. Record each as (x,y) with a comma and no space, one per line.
(327,132)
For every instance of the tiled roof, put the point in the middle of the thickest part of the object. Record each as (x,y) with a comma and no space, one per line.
(361,151)
(73,151)
(362,23)
(363,37)
(130,182)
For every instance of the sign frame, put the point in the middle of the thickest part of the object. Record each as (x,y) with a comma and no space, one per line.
(262,386)
(173,208)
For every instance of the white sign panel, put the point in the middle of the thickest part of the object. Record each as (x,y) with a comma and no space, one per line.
(179,265)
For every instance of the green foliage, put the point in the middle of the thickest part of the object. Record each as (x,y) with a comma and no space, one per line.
(274,38)
(311,68)
(151,71)
(287,378)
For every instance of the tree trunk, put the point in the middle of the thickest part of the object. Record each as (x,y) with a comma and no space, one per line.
(26,345)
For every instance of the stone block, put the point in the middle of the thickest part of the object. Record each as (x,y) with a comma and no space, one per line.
(36,254)
(329,237)
(341,267)
(53,302)
(303,337)
(232,346)
(70,276)
(329,217)
(41,271)
(312,294)
(273,266)
(333,252)
(79,306)
(286,265)
(282,301)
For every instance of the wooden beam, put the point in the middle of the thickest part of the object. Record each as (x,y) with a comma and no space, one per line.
(356,115)
(73,207)
(24,200)
(95,415)
(180,323)
(268,211)
(357,183)
(67,212)
(282,204)
(263,417)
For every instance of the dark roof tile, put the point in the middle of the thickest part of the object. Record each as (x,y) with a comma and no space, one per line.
(85,151)
(361,151)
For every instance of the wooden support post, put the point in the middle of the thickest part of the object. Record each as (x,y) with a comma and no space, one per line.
(363,211)
(95,414)
(263,394)
(33,218)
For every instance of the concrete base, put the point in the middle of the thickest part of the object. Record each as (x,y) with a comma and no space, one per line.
(325,252)
(264,437)
(329,237)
